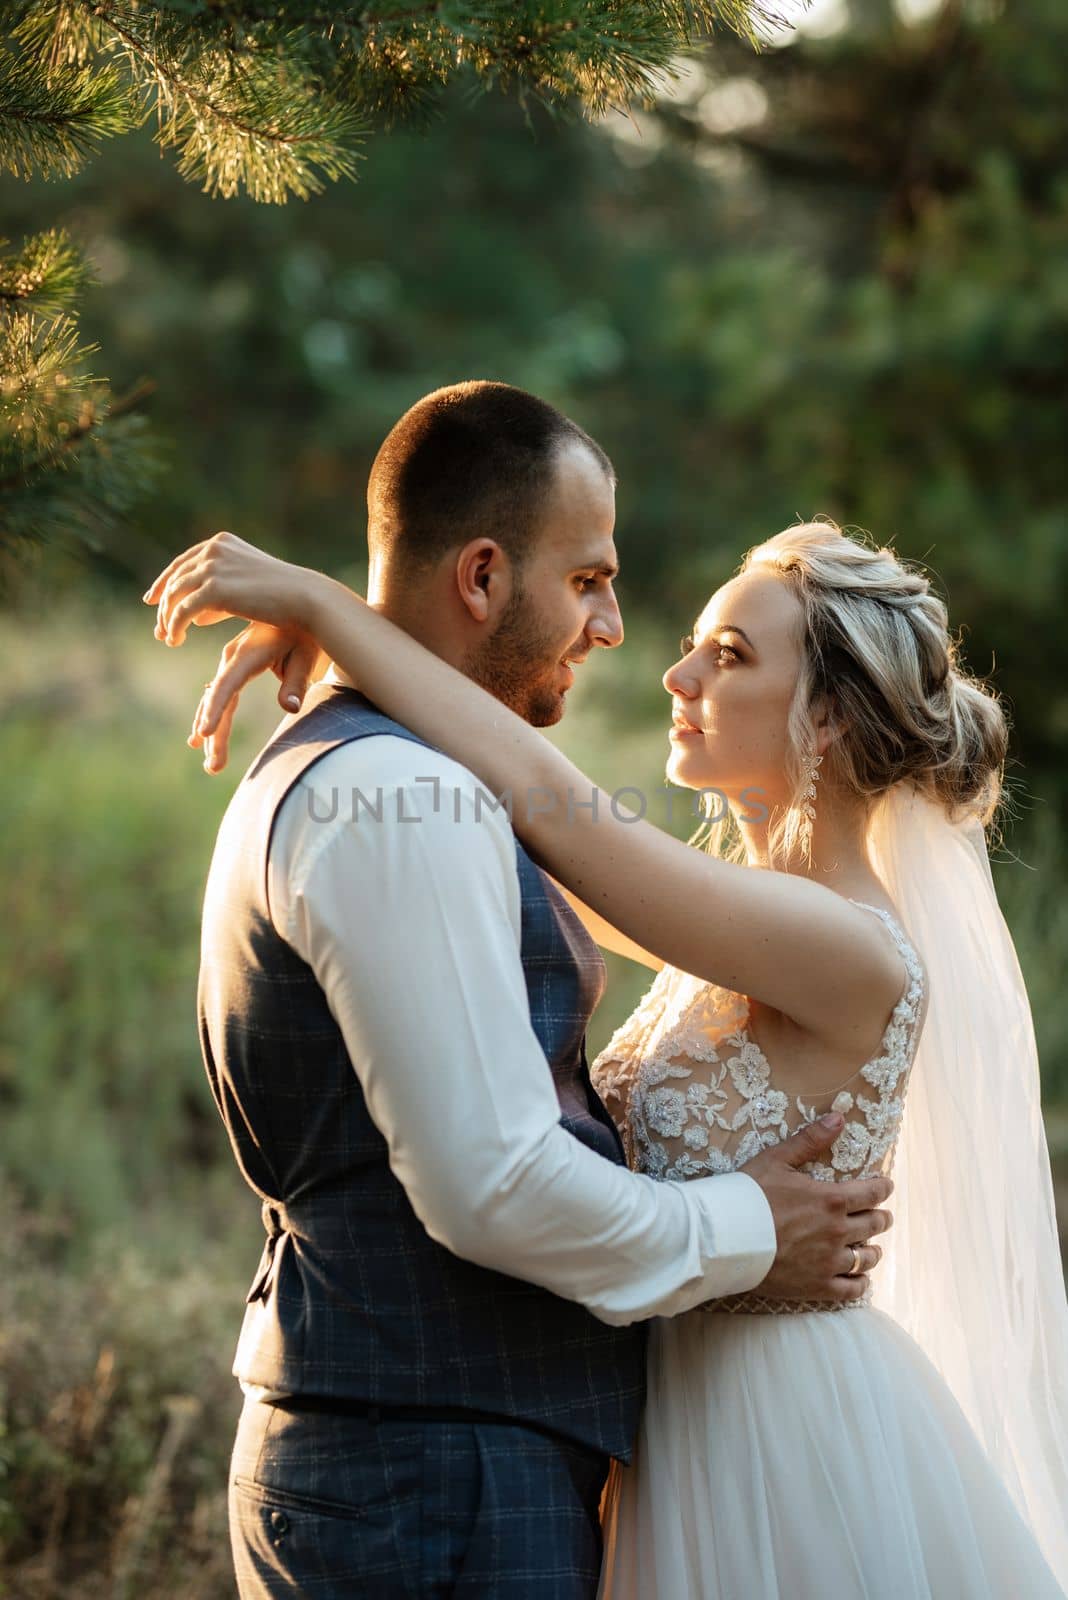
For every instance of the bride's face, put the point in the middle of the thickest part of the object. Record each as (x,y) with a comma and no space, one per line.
(732,690)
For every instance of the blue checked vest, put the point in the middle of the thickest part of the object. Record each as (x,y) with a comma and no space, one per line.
(352,1297)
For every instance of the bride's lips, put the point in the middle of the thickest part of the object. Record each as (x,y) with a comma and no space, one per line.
(682,728)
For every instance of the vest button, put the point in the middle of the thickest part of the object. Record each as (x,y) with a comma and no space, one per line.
(279,1523)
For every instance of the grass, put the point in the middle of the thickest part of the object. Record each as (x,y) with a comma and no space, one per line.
(117,1412)
(128,1237)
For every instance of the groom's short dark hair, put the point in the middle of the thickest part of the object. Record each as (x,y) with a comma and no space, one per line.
(471,460)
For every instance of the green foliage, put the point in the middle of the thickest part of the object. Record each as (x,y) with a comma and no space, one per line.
(274,100)
(115,1427)
(243,110)
(51,122)
(271,101)
(78,497)
(106,857)
(44,275)
(1030,873)
(890,337)
(73,460)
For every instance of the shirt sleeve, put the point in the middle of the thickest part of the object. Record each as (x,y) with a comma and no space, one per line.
(394,877)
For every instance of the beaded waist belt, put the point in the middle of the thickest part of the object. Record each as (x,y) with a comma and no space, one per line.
(758,1305)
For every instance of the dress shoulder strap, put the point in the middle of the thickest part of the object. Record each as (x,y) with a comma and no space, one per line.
(910,1005)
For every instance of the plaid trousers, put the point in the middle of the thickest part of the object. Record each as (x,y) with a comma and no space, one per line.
(333,1507)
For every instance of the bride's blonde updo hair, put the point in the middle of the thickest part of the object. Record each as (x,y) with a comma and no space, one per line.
(877,645)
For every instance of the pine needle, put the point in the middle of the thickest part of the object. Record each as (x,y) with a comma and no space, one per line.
(51,123)
(46,273)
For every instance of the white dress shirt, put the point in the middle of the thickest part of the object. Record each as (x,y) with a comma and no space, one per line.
(411,924)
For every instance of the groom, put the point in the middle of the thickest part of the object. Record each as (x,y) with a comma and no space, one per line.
(443,1345)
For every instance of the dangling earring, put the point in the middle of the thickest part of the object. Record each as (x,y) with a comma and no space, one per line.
(807,808)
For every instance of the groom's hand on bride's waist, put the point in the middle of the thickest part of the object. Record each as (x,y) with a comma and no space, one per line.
(824,1230)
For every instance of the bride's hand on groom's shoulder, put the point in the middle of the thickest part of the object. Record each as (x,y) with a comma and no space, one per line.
(225,576)
(293,656)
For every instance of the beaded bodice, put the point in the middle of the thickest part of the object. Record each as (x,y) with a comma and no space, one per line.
(693,1093)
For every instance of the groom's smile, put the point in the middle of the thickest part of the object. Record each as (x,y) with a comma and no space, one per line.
(563,596)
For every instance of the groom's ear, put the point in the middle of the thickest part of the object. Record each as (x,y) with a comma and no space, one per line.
(484,579)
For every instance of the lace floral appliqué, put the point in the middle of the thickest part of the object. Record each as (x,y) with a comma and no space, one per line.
(694,1094)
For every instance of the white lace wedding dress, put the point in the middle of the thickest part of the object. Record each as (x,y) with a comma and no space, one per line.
(790,1453)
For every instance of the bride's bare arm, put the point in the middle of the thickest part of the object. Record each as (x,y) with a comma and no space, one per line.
(783,940)
(605,934)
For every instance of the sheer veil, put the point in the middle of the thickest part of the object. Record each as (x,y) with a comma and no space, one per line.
(972,1267)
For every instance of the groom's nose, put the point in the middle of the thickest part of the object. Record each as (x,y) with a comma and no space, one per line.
(605,627)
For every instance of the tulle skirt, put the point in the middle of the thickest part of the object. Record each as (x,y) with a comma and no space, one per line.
(816,1456)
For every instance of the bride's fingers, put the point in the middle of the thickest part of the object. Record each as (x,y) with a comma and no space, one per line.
(185,577)
(198,558)
(196,738)
(217,744)
(192,572)
(195,609)
(197,731)
(155,589)
(299,666)
(243,659)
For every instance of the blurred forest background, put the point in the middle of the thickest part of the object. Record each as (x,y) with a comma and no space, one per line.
(828,277)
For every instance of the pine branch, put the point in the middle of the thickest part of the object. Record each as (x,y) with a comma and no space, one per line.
(594,56)
(597,55)
(686,18)
(93,414)
(48,270)
(59,33)
(50,123)
(86,494)
(270,98)
(73,460)
(241,118)
(276,98)
(44,387)
(752,22)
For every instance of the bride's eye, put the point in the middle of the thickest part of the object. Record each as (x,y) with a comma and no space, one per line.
(686,644)
(728,651)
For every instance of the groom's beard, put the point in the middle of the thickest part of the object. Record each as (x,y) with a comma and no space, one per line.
(520,664)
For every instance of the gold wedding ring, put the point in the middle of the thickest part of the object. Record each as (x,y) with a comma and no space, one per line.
(854,1271)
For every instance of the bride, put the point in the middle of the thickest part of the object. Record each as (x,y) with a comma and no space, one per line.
(914,1444)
